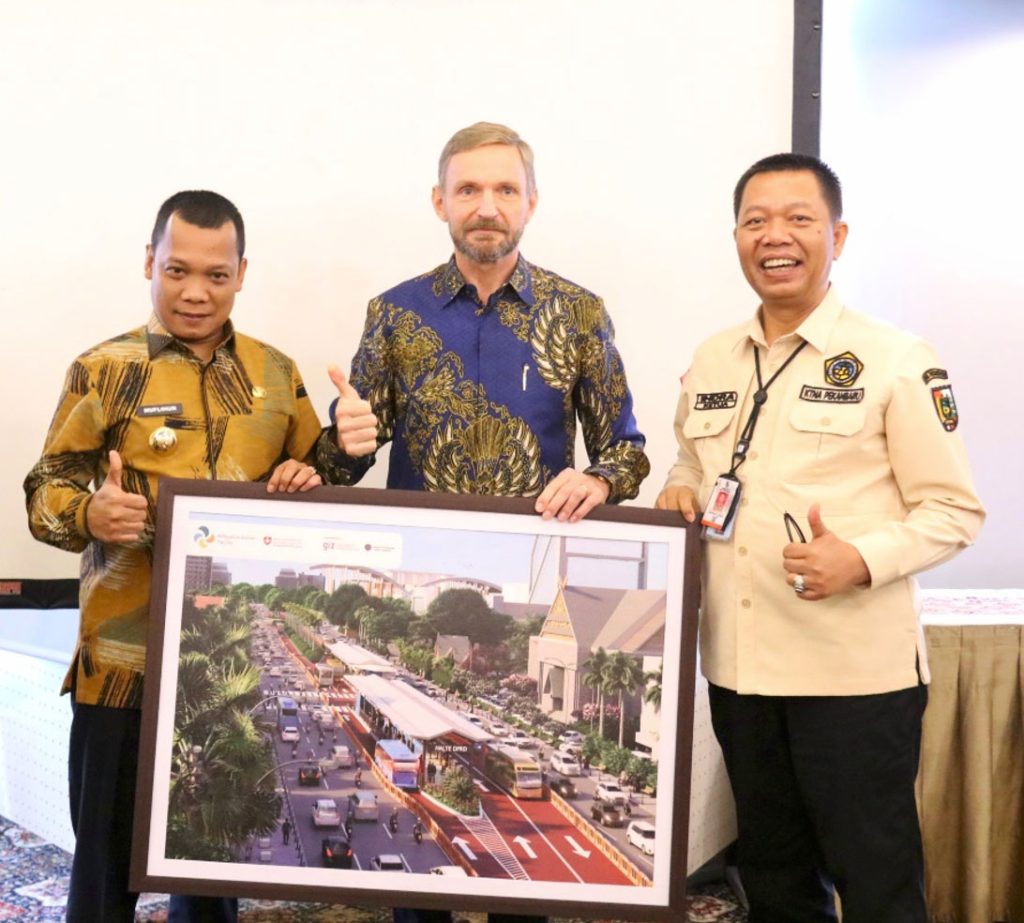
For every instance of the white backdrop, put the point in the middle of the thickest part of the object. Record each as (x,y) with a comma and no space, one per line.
(323,121)
(921,119)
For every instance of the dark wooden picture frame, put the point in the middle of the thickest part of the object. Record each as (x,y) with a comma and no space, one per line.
(456,647)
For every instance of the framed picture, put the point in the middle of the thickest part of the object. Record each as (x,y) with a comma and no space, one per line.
(409,699)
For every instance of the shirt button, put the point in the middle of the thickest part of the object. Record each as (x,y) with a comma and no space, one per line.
(707,425)
(825,421)
(744,501)
(745,603)
(752,456)
(742,551)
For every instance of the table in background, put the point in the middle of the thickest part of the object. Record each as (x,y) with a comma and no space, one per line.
(971,783)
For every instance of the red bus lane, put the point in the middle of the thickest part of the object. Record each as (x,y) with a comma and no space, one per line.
(563,851)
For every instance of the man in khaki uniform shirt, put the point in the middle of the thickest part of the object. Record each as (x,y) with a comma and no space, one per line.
(814,649)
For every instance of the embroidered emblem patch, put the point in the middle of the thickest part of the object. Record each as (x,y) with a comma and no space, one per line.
(832,395)
(843,370)
(930,374)
(945,407)
(715,400)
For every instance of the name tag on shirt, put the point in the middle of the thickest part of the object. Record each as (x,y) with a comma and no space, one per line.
(832,395)
(159,410)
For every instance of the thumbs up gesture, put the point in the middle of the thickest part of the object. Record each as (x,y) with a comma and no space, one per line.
(113,515)
(354,417)
(827,564)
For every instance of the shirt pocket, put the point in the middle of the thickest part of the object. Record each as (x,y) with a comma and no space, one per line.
(713,435)
(827,441)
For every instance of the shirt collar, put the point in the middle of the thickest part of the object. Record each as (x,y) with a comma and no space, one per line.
(816,328)
(159,338)
(453,282)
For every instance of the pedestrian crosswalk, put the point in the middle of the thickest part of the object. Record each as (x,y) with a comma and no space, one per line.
(484,830)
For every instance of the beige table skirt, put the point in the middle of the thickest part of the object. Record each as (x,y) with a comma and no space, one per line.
(971,784)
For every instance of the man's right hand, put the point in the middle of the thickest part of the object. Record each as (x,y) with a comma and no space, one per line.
(678,498)
(114,516)
(354,417)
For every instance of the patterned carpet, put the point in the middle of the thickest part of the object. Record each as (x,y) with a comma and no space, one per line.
(34,874)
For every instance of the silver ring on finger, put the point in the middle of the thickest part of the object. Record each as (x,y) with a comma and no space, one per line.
(799,586)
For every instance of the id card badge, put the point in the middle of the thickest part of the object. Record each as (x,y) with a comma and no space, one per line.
(720,514)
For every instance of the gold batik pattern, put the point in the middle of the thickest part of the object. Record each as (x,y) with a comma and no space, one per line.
(454,434)
(239,416)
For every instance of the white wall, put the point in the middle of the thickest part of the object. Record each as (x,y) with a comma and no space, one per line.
(323,120)
(921,120)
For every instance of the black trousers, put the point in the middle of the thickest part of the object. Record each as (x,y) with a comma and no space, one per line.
(824,789)
(102,762)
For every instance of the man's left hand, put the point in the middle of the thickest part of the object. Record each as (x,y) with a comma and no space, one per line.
(572,495)
(827,564)
(291,476)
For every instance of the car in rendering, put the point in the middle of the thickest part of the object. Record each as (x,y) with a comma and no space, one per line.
(563,786)
(565,763)
(387,862)
(572,747)
(610,792)
(325,813)
(570,736)
(607,815)
(336,852)
(498,729)
(339,757)
(363,806)
(455,870)
(310,775)
(320,714)
(640,834)
(290,733)
(519,739)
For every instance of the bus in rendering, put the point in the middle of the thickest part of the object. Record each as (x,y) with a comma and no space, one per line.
(287,718)
(514,770)
(398,763)
(324,675)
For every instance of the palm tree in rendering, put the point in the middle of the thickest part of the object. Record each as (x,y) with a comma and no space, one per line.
(596,677)
(624,677)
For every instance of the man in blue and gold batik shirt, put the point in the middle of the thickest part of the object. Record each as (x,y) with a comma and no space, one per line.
(478,370)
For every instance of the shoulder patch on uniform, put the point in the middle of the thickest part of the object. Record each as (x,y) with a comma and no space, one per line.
(843,370)
(715,400)
(945,407)
(832,395)
(930,374)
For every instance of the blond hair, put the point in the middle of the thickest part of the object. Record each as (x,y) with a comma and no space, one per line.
(479,134)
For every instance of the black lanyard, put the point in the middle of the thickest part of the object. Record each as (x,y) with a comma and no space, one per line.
(760,396)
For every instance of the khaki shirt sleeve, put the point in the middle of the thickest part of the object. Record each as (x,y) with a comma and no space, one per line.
(931,470)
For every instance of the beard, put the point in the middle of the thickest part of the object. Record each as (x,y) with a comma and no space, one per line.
(489,252)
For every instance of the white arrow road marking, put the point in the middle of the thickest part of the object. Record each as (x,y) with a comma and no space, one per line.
(576,848)
(525,843)
(464,846)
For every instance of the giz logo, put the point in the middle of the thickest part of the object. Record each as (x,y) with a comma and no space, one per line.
(267,539)
(204,537)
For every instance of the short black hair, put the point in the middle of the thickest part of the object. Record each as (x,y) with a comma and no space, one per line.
(202,208)
(828,182)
